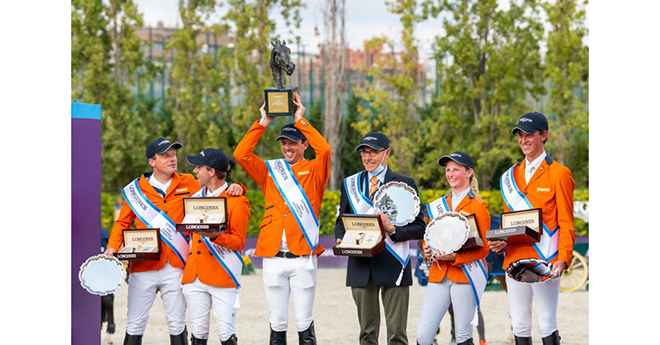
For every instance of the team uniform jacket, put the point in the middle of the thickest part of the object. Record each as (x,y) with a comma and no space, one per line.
(201,263)
(313,177)
(383,267)
(182,185)
(469,205)
(551,189)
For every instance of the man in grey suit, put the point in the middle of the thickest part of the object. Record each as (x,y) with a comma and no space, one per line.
(387,273)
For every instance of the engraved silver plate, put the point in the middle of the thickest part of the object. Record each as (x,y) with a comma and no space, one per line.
(398,201)
(447,232)
(529,270)
(102,275)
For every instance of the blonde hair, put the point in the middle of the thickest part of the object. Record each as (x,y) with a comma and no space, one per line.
(474,185)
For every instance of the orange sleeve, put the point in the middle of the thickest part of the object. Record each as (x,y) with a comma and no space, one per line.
(564,201)
(124,221)
(239,215)
(480,210)
(254,166)
(322,149)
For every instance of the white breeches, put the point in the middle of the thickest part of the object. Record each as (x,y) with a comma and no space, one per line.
(201,298)
(142,288)
(289,276)
(436,301)
(521,295)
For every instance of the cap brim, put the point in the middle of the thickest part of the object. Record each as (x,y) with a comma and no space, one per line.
(195,160)
(524,129)
(175,145)
(375,147)
(443,160)
(288,137)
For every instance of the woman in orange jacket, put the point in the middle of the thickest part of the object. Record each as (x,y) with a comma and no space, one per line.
(455,278)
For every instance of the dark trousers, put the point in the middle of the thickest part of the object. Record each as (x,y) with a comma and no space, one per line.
(395,307)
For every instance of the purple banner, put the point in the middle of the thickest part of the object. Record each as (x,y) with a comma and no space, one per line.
(85,218)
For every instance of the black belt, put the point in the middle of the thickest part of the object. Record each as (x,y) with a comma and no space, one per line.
(286,255)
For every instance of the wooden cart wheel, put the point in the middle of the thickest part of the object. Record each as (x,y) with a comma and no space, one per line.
(576,275)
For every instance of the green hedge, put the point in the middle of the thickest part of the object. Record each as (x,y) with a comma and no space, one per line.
(329,208)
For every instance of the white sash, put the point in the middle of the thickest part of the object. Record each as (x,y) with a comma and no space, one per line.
(547,247)
(231,260)
(296,199)
(475,271)
(152,217)
(437,207)
(362,205)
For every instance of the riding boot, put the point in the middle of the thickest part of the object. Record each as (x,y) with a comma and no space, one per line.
(523,340)
(233,340)
(133,339)
(552,339)
(197,341)
(467,342)
(308,336)
(179,339)
(277,338)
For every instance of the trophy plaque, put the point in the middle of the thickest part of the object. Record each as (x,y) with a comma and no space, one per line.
(102,275)
(364,235)
(519,227)
(140,244)
(204,214)
(279,99)
(447,232)
(474,240)
(529,270)
(398,201)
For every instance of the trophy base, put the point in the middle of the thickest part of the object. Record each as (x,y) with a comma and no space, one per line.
(138,256)
(201,227)
(279,102)
(361,252)
(514,235)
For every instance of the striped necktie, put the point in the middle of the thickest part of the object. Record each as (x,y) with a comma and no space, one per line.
(373,187)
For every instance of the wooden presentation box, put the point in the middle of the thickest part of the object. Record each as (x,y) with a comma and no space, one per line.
(364,235)
(140,244)
(519,227)
(474,240)
(204,214)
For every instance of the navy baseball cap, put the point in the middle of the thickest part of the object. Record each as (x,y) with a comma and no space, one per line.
(290,132)
(214,158)
(159,146)
(531,122)
(458,157)
(375,140)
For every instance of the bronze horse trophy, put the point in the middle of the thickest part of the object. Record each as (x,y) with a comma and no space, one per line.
(279,99)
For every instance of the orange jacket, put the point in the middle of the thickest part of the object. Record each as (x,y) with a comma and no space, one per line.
(182,185)
(469,205)
(551,189)
(313,177)
(201,263)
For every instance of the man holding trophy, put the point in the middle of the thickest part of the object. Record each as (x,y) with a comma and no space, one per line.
(388,272)
(288,239)
(538,182)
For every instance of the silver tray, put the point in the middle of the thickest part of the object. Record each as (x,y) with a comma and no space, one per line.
(102,275)
(398,201)
(447,232)
(529,270)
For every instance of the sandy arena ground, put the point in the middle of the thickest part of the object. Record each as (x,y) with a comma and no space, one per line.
(335,317)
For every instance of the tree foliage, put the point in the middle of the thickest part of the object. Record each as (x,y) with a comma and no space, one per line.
(105,57)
